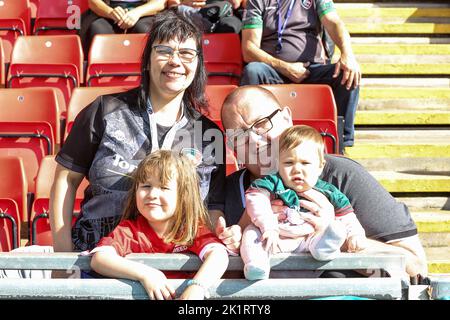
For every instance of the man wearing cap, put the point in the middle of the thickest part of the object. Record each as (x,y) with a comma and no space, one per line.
(282,43)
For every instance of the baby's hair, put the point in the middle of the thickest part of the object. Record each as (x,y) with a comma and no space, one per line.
(190,211)
(295,135)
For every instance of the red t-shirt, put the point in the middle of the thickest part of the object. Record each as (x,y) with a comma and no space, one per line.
(139,237)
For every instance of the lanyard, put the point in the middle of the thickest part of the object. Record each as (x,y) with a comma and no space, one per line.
(282,26)
(170,136)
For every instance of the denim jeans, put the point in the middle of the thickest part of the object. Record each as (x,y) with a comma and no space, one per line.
(346,100)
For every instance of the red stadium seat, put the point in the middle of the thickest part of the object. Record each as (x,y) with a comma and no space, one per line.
(40,232)
(28,122)
(59,17)
(216,94)
(2,65)
(14,22)
(115,60)
(81,97)
(311,104)
(47,61)
(223,58)
(13,201)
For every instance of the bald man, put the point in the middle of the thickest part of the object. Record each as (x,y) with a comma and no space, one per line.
(254,119)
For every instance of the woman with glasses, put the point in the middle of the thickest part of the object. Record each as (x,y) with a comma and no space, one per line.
(119,16)
(113,134)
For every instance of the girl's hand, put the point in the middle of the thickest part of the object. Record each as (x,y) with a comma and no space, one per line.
(356,243)
(157,286)
(129,19)
(193,292)
(271,237)
(117,14)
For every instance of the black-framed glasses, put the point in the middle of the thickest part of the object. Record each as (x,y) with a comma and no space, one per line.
(259,127)
(185,54)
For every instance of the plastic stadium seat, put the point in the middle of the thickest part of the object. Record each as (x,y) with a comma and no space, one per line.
(311,104)
(223,58)
(2,65)
(81,97)
(14,22)
(59,17)
(40,232)
(216,94)
(13,201)
(115,60)
(47,61)
(28,122)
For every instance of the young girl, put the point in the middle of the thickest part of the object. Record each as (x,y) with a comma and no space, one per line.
(301,160)
(164,213)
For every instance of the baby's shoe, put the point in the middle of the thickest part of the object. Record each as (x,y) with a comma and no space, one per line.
(254,271)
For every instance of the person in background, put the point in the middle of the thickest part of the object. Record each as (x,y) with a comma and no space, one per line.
(282,43)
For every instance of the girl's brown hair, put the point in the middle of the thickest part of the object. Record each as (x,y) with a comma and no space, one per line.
(190,211)
(295,135)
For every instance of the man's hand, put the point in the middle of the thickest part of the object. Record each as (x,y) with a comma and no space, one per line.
(230,236)
(351,70)
(321,210)
(295,71)
(356,243)
(235,3)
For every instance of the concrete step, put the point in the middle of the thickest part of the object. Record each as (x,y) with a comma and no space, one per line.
(399,40)
(404,136)
(392,68)
(423,203)
(398,28)
(438,260)
(406,98)
(369,4)
(412,118)
(400,49)
(424,164)
(432,221)
(434,239)
(413,182)
(416,83)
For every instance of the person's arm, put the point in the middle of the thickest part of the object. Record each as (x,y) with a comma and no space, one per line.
(100,8)
(62,198)
(252,52)
(214,266)
(110,264)
(347,62)
(230,236)
(150,8)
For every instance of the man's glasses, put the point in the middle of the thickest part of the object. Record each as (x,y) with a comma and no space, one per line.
(259,127)
(186,55)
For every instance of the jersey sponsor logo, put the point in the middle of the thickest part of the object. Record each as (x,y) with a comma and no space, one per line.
(179,249)
(307,4)
(120,162)
(193,154)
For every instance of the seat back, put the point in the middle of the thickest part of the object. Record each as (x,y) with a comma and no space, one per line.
(40,232)
(47,61)
(14,22)
(216,94)
(28,122)
(311,104)
(59,17)
(115,60)
(81,98)
(223,58)
(13,201)
(2,65)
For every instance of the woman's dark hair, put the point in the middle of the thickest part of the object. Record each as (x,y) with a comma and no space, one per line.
(170,25)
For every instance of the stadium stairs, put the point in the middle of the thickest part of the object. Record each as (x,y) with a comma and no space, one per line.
(403,118)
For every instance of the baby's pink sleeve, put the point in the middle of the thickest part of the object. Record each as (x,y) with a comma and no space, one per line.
(352,225)
(259,209)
